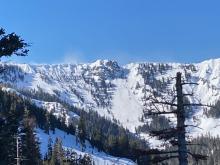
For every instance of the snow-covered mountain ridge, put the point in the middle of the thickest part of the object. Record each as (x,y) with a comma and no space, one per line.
(118,92)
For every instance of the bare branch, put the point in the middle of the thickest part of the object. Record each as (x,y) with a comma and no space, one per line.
(153,152)
(193,126)
(199,105)
(198,157)
(165,103)
(189,83)
(160,113)
(165,134)
(188,94)
(158,159)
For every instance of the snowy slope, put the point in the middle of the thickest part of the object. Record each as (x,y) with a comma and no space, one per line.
(69,141)
(118,92)
(54,108)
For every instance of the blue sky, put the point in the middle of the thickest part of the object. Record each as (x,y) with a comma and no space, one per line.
(122,30)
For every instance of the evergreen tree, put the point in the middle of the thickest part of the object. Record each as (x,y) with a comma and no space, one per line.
(82,131)
(30,144)
(86,160)
(12,44)
(96,132)
(97,139)
(49,149)
(10,117)
(123,144)
(112,144)
(58,153)
(9,44)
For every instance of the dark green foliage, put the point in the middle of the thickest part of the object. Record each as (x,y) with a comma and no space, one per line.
(49,149)
(108,136)
(29,143)
(59,156)
(58,153)
(81,133)
(12,44)
(11,113)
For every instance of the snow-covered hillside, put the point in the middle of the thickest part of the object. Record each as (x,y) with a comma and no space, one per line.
(118,92)
(70,142)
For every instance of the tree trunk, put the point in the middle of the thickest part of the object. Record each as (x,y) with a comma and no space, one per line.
(182,149)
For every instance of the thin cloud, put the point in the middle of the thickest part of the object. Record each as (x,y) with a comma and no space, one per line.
(73,57)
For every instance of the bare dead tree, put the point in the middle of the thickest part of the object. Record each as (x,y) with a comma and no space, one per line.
(176,135)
